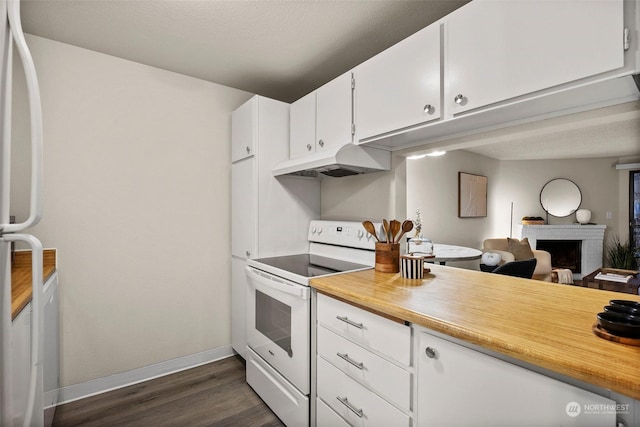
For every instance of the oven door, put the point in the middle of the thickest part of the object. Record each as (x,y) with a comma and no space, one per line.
(278,325)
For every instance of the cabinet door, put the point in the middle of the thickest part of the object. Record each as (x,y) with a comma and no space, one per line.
(498,50)
(243,208)
(51,341)
(239,306)
(334,113)
(243,130)
(458,386)
(302,127)
(20,363)
(399,87)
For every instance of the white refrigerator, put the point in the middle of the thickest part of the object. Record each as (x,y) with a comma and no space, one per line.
(25,411)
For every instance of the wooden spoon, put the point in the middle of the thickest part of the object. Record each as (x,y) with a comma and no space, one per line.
(395,227)
(371,229)
(385,226)
(407,226)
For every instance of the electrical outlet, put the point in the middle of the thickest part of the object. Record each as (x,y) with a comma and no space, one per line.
(609,215)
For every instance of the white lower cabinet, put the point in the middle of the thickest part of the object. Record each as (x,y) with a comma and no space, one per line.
(391,381)
(458,386)
(353,402)
(326,417)
(363,367)
(20,363)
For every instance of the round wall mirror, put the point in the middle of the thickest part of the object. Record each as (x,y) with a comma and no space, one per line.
(560,197)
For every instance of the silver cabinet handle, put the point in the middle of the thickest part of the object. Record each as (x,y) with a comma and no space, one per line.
(248,149)
(309,147)
(346,320)
(321,143)
(430,352)
(459,99)
(345,357)
(349,406)
(428,108)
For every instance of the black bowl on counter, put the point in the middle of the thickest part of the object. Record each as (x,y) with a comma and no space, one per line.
(626,303)
(621,324)
(624,309)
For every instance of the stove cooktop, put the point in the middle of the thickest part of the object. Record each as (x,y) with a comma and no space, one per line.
(309,265)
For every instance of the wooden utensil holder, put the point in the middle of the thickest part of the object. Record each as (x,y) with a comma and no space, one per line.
(388,257)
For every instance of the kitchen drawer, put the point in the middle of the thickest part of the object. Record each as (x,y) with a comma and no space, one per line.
(353,402)
(391,338)
(385,378)
(326,417)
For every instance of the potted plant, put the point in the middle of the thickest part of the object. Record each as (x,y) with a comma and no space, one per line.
(620,255)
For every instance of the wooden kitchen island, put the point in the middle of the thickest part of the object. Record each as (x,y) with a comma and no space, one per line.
(542,324)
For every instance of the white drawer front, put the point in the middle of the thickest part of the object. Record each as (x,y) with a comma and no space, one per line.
(386,336)
(353,402)
(387,379)
(326,417)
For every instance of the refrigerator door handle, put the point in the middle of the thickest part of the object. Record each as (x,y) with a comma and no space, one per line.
(36,319)
(35,109)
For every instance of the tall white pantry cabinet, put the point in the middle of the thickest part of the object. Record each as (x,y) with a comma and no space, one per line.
(269,216)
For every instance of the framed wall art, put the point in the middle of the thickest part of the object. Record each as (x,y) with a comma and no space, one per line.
(472,195)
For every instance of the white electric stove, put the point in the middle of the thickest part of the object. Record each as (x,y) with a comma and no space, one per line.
(279,313)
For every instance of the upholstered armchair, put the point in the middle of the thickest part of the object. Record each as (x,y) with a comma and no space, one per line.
(514,249)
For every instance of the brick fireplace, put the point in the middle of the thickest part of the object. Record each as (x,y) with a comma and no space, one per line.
(573,246)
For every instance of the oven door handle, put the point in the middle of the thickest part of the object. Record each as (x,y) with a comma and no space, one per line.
(281,285)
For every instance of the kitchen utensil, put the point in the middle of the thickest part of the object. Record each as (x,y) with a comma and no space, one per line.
(620,324)
(388,257)
(625,309)
(385,226)
(625,302)
(407,226)
(395,228)
(371,229)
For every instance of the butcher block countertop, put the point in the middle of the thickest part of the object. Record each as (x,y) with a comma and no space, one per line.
(21,277)
(545,324)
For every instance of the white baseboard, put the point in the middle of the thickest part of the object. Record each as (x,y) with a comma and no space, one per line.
(123,379)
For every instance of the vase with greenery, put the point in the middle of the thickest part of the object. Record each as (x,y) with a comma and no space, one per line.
(621,255)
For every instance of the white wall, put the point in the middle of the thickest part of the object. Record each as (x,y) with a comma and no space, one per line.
(371,196)
(137,201)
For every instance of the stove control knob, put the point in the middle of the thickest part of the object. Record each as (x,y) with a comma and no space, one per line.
(360,234)
(319,230)
(313,230)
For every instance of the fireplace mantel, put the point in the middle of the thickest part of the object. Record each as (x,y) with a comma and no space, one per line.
(590,235)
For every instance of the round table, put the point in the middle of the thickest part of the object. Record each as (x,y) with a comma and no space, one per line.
(446,253)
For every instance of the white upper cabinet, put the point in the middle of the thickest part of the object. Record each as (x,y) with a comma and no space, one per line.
(323,118)
(334,112)
(302,131)
(243,131)
(499,50)
(399,87)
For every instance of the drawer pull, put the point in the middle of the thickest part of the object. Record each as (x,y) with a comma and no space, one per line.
(345,357)
(346,320)
(349,406)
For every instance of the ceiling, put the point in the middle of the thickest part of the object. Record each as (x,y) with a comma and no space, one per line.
(281,49)
(284,49)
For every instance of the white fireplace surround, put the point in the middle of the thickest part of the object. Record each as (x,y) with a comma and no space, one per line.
(590,236)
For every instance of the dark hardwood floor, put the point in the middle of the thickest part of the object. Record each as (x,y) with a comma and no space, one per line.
(215,394)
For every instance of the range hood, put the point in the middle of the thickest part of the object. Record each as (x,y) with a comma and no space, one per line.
(335,162)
